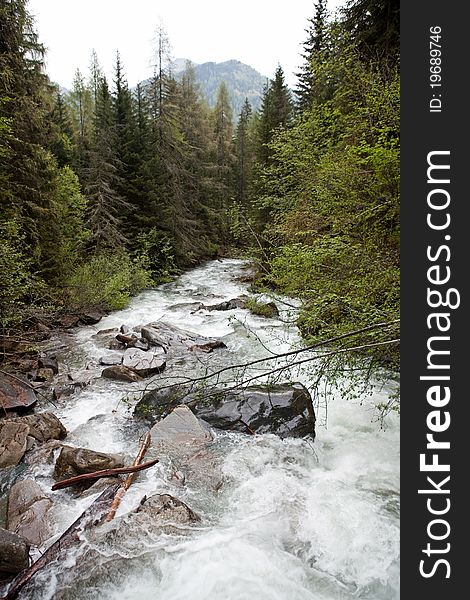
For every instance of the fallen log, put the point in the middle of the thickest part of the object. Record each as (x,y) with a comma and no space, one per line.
(128,482)
(103,473)
(93,515)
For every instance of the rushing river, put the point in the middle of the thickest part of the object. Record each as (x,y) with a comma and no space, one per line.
(293,520)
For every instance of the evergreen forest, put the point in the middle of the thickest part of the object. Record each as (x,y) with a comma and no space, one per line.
(107,190)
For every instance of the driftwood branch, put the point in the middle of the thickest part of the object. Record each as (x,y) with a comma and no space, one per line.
(128,482)
(103,473)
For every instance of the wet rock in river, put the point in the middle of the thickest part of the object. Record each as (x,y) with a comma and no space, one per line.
(176,341)
(15,393)
(43,426)
(14,553)
(27,512)
(76,461)
(143,363)
(91,317)
(283,409)
(111,359)
(232,304)
(164,509)
(13,442)
(121,373)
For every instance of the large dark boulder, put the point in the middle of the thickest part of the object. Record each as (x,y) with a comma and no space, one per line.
(284,409)
(27,512)
(14,553)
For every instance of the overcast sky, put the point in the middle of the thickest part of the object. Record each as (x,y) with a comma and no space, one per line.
(261,33)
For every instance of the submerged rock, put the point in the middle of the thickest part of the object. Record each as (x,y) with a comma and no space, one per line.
(14,553)
(163,509)
(76,461)
(27,512)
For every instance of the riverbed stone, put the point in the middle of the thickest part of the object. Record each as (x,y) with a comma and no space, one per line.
(77,461)
(49,362)
(164,509)
(27,512)
(121,373)
(13,442)
(142,362)
(15,393)
(232,304)
(43,426)
(284,409)
(109,360)
(14,553)
(176,341)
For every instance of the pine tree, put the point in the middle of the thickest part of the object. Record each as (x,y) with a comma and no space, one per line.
(27,168)
(244,154)
(276,111)
(102,180)
(315,49)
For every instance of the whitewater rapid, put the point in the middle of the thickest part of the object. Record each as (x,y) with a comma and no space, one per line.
(292,521)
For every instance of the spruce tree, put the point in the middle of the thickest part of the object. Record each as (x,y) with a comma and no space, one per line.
(314,49)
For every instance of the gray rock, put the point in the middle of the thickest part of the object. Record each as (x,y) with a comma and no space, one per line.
(27,512)
(111,359)
(183,443)
(91,317)
(76,461)
(13,442)
(121,373)
(176,341)
(143,363)
(164,510)
(228,304)
(43,426)
(14,553)
(283,409)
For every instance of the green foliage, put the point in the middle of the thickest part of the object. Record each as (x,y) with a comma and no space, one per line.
(17,285)
(261,309)
(106,281)
(156,254)
(327,202)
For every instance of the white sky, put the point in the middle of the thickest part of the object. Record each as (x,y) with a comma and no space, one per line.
(261,33)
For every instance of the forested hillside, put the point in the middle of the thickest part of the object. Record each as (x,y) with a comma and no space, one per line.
(105,190)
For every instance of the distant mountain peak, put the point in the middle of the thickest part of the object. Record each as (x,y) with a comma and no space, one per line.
(242,81)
